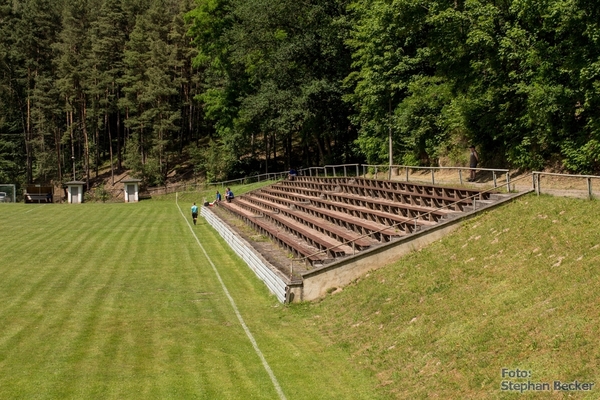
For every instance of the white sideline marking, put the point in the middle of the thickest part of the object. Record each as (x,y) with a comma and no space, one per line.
(237,312)
(33,209)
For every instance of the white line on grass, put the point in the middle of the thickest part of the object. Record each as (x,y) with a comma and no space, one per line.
(36,208)
(237,312)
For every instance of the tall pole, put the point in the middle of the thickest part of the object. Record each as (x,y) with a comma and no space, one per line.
(390,139)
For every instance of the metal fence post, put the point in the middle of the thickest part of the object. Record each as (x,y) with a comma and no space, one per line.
(345,172)
(508,182)
(432,177)
(406,174)
(589,185)
(494,178)
(460,176)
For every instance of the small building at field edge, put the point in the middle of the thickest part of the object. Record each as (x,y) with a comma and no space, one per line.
(131,190)
(75,192)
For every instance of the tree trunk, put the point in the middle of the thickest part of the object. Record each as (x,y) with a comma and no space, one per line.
(70,128)
(57,143)
(119,138)
(267,153)
(86,142)
(110,147)
(28,150)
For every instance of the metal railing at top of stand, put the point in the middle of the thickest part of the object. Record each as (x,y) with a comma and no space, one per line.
(537,186)
(304,259)
(407,168)
(346,170)
(253,178)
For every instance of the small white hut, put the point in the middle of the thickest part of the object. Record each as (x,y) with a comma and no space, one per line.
(75,192)
(131,190)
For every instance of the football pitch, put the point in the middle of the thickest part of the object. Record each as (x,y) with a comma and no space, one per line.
(131,301)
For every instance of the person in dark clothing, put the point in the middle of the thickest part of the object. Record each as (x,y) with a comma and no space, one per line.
(473,160)
(292,174)
(228,195)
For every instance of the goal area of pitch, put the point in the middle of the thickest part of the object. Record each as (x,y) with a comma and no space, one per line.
(8,193)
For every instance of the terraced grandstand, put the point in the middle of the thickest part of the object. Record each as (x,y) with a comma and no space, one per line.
(320,223)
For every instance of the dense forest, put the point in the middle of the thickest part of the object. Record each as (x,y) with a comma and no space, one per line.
(238,87)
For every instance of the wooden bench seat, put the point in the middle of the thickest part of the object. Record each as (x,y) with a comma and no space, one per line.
(315,238)
(365,208)
(359,225)
(401,186)
(319,224)
(284,239)
(38,198)
(432,202)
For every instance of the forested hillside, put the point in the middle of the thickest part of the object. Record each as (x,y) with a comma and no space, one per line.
(245,86)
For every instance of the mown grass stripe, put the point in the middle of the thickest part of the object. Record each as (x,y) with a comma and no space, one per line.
(132,309)
(237,313)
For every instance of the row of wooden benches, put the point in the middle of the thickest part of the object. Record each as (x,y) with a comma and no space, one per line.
(386,188)
(455,201)
(322,225)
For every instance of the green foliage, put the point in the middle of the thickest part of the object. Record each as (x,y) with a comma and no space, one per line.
(296,83)
(585,159)
(214,160)
(98,194)
(515,78)
(512,284)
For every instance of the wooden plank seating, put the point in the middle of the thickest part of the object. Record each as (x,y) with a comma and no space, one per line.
(317,223)
(332,248)
(432,201)
(322,219)
(319,209)
(311,236)
(284,239)
(380,207)
(408,187)
(38,194)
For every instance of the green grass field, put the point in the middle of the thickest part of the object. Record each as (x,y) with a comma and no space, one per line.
(118,301)
(108,301)
(517,287)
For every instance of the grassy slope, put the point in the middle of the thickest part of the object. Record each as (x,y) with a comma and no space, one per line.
(516,287)
(118,301)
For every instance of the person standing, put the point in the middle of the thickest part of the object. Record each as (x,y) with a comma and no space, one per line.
(473,160)
(194,213)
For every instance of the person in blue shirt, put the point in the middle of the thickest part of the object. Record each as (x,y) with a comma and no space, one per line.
(228,195)
(194,213)
(292,174)
(218,199)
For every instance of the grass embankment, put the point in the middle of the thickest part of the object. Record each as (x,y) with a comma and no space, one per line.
(117,301)
(516,287)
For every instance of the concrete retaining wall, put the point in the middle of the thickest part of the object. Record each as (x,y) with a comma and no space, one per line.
(317,282)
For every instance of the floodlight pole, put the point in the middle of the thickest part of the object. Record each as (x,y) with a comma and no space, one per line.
(73,158)
(390,139)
